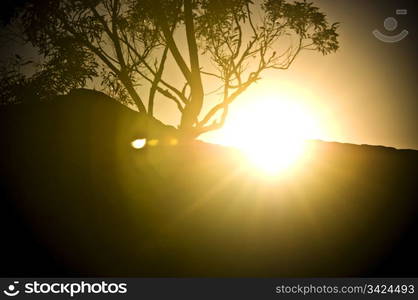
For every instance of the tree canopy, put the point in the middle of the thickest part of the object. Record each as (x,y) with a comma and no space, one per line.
(129,48)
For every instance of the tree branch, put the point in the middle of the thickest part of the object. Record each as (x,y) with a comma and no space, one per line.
(157,79)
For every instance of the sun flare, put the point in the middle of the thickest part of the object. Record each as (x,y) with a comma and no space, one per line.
(138,143)
(271,132)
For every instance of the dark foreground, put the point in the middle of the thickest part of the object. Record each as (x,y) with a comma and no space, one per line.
(77,200)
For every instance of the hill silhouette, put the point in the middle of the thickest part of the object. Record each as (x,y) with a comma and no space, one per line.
(78,200)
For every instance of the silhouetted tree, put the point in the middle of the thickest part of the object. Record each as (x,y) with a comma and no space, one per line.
(127,44)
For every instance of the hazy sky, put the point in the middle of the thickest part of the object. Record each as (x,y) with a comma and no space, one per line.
(364,93)
(369,86)
(367,91)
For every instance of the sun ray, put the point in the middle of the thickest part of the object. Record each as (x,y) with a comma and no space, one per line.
(272,133)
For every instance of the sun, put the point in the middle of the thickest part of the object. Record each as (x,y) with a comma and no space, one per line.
(272,133)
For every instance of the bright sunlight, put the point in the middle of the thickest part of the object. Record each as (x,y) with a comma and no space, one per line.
(272,132)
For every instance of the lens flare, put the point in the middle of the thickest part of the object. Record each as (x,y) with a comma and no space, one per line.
(153,142)
(139,143)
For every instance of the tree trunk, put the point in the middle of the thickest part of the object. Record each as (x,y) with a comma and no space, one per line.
(192,109)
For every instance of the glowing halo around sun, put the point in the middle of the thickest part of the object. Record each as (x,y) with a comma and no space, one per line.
(271,132)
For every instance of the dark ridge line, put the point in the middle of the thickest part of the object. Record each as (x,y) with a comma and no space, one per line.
(364,145)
